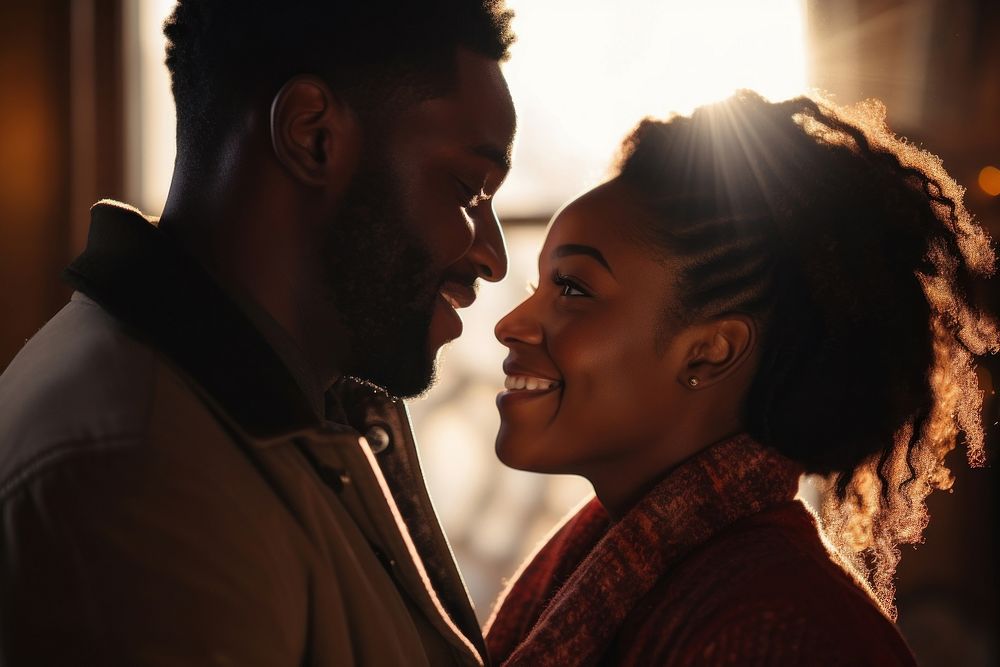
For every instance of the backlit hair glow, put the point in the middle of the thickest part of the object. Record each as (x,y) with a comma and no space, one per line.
(853,252)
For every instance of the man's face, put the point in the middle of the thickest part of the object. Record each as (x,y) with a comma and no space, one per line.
(417,228)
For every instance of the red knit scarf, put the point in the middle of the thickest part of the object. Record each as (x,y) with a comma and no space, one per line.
(599,570)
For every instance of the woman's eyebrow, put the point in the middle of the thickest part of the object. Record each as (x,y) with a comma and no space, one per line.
(568,249)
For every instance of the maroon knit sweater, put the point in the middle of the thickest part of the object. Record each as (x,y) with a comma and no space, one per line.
(717,565)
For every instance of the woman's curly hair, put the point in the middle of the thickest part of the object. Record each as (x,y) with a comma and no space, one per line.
(853,252)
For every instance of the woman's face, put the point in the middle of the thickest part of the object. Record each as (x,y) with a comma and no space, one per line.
(593,384)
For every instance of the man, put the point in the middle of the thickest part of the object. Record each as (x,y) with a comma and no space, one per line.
(202,457)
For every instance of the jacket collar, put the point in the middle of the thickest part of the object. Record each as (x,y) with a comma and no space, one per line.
(570,600)
(167,299)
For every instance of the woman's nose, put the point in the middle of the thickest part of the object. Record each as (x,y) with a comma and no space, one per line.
(520,325)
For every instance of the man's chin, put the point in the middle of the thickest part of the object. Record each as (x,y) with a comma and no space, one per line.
(403,362)
(412,387)
(408,378)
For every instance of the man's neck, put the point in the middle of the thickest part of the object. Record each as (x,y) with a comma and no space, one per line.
(260,268)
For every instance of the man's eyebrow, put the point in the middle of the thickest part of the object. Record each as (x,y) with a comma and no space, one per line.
(499,156)
(577,249)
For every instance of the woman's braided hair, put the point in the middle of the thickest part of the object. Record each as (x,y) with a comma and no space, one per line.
(852,251)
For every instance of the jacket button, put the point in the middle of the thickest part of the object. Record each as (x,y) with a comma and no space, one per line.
(378,439)
(335,478)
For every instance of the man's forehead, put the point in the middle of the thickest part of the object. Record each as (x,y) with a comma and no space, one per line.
(476,117)
(483,99)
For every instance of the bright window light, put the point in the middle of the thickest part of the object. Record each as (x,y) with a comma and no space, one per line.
(150,105)
(584,72)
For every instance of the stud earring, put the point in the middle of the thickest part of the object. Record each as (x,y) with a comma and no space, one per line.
(692,381)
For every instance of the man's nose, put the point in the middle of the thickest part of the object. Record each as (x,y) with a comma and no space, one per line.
(489,250)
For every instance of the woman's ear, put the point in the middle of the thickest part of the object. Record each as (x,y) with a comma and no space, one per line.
(314,134)
(717,349)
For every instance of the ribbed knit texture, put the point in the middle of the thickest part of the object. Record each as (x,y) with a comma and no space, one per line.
(717,565)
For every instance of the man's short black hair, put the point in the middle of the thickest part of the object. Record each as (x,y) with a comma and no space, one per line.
(224,54)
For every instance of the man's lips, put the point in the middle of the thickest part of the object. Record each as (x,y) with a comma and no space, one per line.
(457,295)
(451,295)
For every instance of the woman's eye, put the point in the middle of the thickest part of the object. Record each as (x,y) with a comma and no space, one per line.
(568,286)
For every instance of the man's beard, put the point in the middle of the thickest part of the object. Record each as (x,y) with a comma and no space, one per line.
(382,282)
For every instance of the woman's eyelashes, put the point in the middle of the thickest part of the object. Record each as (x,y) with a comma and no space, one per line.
(568,286)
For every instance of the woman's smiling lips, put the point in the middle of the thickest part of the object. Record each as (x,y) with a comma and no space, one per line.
(528,383)
(522,383)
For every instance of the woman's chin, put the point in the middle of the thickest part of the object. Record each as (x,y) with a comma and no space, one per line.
(508,451)
(521,452)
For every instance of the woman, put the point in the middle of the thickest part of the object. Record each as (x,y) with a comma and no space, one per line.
(762,290)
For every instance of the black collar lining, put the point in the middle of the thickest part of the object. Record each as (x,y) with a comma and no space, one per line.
(166,298)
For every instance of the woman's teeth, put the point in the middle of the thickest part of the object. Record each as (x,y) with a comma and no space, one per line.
(524,382)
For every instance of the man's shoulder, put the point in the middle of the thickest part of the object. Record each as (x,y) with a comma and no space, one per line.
(93,418)
(81,382)
(129,527)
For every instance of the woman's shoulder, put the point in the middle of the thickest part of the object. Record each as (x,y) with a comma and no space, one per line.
(776,553)
(768,587)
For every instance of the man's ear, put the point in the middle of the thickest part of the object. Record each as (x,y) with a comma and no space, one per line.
(314,134)
(717,349)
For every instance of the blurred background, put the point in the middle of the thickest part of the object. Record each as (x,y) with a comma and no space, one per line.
(86,113)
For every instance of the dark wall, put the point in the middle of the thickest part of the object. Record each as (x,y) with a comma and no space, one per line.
(60,147)
(34,165)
